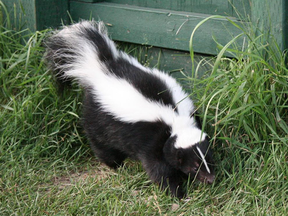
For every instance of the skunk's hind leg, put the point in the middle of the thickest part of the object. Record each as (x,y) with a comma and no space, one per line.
(111,157)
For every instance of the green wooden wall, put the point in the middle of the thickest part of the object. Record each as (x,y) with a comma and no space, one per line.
(213,7)
(158,27)
(272,16)
(38,14)
(162,23)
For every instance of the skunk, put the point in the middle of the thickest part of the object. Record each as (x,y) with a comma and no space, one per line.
(130,110)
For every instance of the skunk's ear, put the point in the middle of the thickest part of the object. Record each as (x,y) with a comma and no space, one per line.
(179,156)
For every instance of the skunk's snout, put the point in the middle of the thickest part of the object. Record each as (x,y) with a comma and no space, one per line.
(206,177)
(209,179)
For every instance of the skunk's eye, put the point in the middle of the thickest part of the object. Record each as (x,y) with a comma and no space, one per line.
(195,169)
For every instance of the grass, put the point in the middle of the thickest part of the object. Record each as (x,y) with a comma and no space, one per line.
(47,167)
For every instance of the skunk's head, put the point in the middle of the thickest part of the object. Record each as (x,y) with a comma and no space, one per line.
(194,160)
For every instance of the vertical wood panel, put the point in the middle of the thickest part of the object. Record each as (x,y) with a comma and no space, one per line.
(270,17)
(51,13)
(28,17)
(39,14)
(285,25)
(243,8)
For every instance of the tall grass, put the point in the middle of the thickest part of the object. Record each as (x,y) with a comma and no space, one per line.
(244,101)
(46,166)
(247,93)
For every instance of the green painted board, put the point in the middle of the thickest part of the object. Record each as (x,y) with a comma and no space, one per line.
(220,7)
(20,15)
(212,7)
(156,27)
(285,25)
(241,9)
(272,17)
(51,13)
(162,23)
(38,14)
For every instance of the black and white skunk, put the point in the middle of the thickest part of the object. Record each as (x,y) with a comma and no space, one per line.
(131,110)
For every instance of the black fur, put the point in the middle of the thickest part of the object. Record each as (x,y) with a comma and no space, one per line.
(147,84)
(150,142)
(113,140)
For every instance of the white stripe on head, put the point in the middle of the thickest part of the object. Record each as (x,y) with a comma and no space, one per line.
(186,131)
(203,158)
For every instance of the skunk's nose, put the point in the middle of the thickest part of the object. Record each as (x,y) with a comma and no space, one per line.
(210,179)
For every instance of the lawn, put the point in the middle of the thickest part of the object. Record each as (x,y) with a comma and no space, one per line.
(47,167)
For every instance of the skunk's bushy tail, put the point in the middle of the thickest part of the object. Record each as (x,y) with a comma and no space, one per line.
(117,82)
(80,51)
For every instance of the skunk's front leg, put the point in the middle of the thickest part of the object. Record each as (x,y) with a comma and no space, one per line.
(165,176)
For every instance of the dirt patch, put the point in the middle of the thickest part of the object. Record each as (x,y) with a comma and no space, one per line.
(98,173)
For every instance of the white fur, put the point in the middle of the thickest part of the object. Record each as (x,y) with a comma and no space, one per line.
(187,133)
(119,97)
(184,104)
(134,62)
